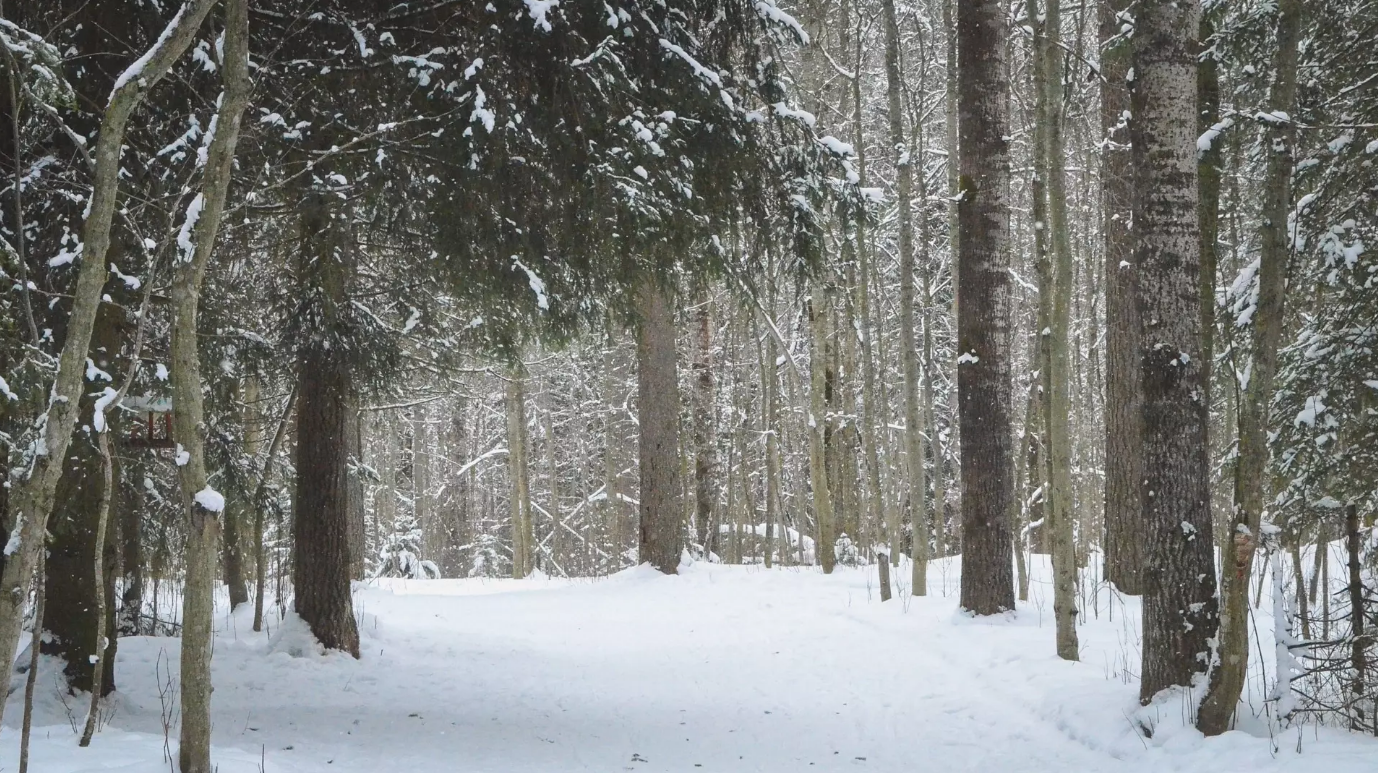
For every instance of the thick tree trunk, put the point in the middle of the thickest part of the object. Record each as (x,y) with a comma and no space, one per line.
(1227,680)
(519,476)
(325,394)
(232,555)
(983,323)
(1208,193)
(1180,613)
(658,405)
(31,499)
(73,620)
(1123,389)
(321,526)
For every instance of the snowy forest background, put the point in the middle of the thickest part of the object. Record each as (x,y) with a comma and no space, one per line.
(543,288)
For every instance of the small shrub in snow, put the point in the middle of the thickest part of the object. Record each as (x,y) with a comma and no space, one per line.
(400,555)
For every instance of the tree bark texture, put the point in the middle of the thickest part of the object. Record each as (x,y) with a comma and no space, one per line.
(1180,610)
(188,423)
(1123,390)
(325,394)
(658,406)
(1251,474)
(984,314)
(31,498)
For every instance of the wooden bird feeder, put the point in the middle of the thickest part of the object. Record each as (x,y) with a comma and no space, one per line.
(154,427)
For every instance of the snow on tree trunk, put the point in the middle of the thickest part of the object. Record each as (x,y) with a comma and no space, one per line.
(1179,578)
(31,497)
(189,427)
(1265,328)
(984,314)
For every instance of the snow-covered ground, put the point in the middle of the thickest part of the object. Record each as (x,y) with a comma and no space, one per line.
(722,668)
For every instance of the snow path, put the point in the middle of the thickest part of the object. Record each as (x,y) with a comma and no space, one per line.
(720,669)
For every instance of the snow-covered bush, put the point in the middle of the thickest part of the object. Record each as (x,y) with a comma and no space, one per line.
(400,555)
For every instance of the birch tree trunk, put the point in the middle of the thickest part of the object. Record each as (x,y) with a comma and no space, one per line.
(984,314)
(770,400)
(909,355)
(1227,680)
(189,428)
(1055,295)
(1180,613)
(31,497)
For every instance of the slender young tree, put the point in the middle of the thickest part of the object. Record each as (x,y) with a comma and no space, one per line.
(705,430)
(818,470)
(984,325)
(206,505)
(30,499)
(909,355)
(1055,295)
(1265,331)
(1180,617)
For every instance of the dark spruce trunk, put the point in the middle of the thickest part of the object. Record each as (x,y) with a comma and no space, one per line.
(320,528)
(983,319)
(236,517)
(705,433)
(658,406)
(1123,392)
(69,582)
